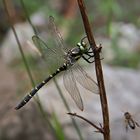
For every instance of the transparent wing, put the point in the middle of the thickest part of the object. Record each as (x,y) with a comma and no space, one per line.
(53,59)
(71,87)
(84,79)
(56,35)
(42,46)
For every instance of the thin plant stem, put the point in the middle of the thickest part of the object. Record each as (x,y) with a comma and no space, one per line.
(20,48)
(18,42)
(98,67)
(68,109)
(91,123)
(27,16)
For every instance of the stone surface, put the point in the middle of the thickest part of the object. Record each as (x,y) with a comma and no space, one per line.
(123,38)
(9,47)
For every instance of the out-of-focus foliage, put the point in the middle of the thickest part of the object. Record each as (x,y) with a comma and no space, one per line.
(31,5)
(57,126)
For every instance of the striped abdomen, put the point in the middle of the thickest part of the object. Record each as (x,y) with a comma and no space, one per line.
(34,91)
(131,124)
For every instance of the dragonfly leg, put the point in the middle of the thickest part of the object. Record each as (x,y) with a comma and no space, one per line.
(90,51)
(82,40)
(87,59)
(91,55)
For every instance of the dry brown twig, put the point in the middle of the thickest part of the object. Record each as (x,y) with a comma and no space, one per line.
(99,129)
(98,68)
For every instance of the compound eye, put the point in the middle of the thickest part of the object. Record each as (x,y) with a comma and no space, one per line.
(83,43)
(79,44)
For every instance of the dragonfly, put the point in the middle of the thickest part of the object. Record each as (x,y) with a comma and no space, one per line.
(65,59)
(130,122)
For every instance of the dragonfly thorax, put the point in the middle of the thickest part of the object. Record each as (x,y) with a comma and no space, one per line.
(79,50)
(72,56)
(76,53)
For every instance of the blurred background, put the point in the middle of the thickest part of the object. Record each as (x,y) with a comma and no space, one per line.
(115,25)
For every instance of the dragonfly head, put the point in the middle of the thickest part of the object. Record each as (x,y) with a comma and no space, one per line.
(82,46)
